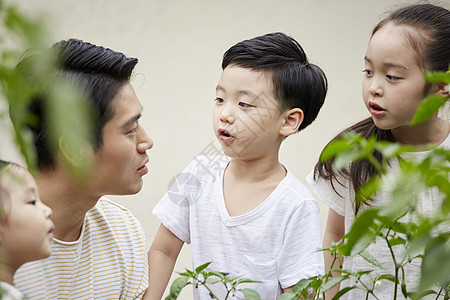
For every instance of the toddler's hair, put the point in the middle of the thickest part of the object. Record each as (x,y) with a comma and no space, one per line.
(296,82)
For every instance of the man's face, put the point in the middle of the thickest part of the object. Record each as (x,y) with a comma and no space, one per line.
(120,162)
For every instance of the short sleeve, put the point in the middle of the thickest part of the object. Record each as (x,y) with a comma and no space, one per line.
(173,208)
(298,257)
(327,195)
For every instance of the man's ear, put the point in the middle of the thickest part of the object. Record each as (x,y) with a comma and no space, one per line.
(70,154)
(292,120)
(77,158)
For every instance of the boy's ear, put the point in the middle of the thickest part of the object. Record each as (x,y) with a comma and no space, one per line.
(293,118)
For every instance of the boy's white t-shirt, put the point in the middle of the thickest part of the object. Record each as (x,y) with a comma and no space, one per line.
(342,202)
(275,243)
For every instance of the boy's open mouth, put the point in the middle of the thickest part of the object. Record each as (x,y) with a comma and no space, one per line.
(225,135)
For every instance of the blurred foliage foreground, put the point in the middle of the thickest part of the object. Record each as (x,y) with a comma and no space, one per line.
(427,237)
(66,109)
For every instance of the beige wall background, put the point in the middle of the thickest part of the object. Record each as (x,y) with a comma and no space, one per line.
(180,45)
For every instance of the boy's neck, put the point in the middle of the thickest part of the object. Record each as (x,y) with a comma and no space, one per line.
(255,170)
(69,203)
(247,184)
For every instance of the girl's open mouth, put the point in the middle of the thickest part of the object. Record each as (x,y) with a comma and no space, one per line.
(375,109)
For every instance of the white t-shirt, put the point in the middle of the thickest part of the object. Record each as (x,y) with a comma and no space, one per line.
(8,292)
(108,261)
(428,201)
(275,243)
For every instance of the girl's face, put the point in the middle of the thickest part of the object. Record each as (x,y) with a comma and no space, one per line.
(26,228)
(393,85)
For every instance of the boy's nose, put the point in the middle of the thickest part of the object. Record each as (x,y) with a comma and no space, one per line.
(227,115)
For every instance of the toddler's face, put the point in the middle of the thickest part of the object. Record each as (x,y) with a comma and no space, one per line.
(26,227)
(246,116)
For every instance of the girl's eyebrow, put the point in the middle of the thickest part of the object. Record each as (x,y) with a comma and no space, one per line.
(388,64)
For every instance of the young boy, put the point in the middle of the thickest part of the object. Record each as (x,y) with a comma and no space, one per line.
(99,249)
(245,212)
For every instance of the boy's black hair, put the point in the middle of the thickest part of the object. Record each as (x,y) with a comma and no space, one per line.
(296,82)
(101,72)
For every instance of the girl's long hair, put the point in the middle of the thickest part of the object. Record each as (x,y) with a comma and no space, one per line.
(360,171)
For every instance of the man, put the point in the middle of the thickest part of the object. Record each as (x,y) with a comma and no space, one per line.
(98,249)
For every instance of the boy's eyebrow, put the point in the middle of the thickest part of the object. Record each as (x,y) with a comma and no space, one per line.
(388,64)
(242,91)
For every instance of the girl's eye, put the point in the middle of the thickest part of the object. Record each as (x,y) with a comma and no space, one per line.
(245,105)
(367,72)
(390,77)
(219,100)
(33,202)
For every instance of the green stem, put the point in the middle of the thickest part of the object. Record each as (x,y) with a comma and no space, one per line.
(209,290)
(440,291)
(395,264)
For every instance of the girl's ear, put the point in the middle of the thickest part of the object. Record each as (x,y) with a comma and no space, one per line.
(292,120)
(443,90)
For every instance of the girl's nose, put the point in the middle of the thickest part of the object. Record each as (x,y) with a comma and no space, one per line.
(145,142)
(375,88)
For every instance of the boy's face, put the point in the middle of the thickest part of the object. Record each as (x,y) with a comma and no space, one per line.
(121,160)
(26,229)
(246,115)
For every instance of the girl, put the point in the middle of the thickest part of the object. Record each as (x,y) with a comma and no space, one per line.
(25,225)
(410,40)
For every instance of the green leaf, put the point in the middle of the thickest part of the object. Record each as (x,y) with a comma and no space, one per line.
(427,108)
(302,284)
(288,296)
(368,257)
(251,294)
(333,281)
(361,233)
(387,277)
(202,267)
(437,77)
(342,292)
(396,240)
(334,149)
(176,287)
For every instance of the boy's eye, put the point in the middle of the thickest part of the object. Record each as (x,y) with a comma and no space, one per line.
(219,100)
(245,105)
(367,72)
